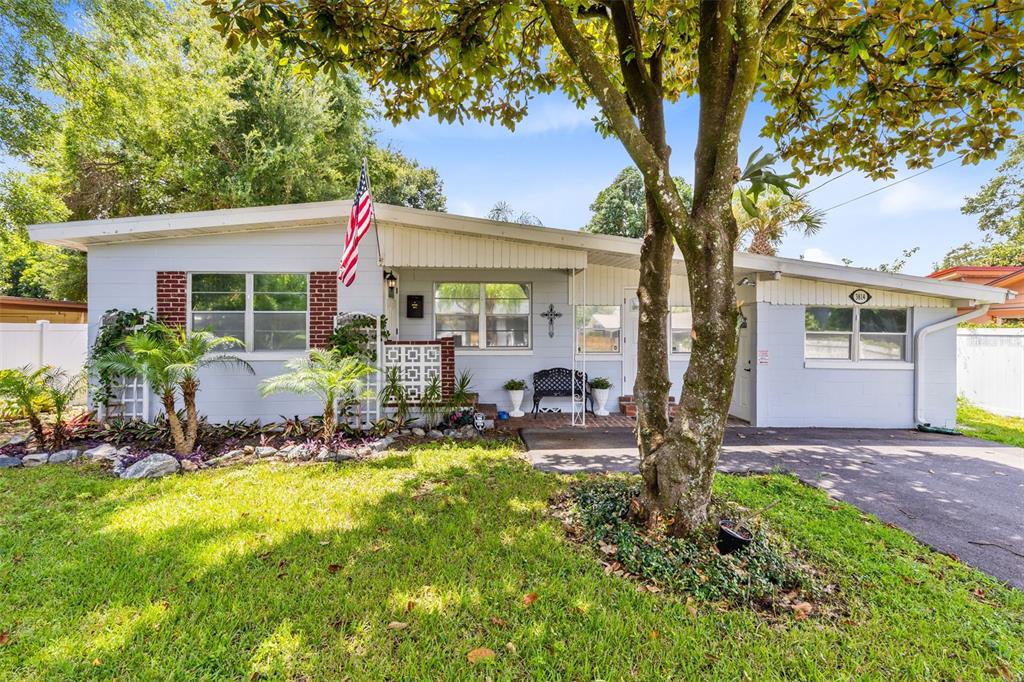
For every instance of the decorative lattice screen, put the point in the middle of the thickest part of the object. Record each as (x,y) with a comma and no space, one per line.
(130,399)
(417,362)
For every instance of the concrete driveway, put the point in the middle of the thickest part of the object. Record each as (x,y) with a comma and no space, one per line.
(960,495)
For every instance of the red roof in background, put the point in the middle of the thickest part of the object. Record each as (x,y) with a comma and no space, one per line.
(996,272)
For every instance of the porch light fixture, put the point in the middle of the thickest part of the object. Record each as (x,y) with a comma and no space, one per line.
(392,282)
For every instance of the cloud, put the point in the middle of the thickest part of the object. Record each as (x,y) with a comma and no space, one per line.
(819,256)
(551,115)
(915,197)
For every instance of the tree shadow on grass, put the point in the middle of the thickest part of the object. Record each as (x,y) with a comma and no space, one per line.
(280,572)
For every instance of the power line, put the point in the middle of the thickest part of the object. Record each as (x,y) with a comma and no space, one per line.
(891,184)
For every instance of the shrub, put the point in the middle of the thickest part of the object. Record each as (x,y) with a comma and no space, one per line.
(600,382)
(515,385)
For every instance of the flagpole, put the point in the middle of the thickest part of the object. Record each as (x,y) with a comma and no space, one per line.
(376,230)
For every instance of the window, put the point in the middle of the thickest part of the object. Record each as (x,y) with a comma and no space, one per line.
(483,315)
(855,334)
(680,327)
(266,311)
(598,328)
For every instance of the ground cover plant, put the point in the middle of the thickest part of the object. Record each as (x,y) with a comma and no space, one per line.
(402,567)
(976,422)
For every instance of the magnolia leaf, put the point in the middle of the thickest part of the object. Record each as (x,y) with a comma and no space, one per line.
(480,654)
(529,598)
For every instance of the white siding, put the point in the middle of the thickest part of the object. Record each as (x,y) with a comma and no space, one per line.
(123,276)
(604,286)
(796,291)
(413,247)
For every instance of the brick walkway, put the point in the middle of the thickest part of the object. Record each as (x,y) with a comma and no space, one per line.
(556,422)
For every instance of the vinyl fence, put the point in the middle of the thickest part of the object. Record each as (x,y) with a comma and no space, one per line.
(44,343)
(990,368)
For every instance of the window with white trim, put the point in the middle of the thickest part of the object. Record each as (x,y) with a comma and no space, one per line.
(856,334)
(680,321)
(598,328)
(486,315)
(266,311)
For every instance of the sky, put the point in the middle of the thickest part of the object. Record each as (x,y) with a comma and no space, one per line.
(555,163)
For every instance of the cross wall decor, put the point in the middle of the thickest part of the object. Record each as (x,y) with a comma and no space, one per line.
(551,315)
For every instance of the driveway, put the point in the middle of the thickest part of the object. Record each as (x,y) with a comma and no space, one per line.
(960,495)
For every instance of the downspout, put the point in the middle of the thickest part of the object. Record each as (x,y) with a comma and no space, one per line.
(919,354)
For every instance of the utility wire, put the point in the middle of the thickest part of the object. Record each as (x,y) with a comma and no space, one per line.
(892,184)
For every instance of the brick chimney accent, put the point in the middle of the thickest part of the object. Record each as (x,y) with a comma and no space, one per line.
(170,298)
(447,365)
(323,306)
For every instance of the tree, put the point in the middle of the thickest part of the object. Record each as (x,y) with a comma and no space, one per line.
(850,85)
(503,211)
(143,110)
(169,360)
(620,208)
(775,214)
(326,374)
(999,206)
(25,389)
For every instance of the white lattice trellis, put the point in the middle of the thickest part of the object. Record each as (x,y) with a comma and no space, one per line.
(417,365)
(129,399)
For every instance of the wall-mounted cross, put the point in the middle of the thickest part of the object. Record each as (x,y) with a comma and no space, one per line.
(551,315)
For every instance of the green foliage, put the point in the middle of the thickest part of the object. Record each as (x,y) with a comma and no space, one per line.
(393,396)
(62,389)
(600,382)
(31,391)
(115,327)
(462,393)
(431,402)
(775,214)
(356,336)
(515,385)
(620,208)
(504,212)
(974,421)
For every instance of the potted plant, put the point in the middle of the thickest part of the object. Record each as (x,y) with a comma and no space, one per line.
(515,389)
(599,387)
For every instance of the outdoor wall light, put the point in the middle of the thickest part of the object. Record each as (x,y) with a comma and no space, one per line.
(392,282)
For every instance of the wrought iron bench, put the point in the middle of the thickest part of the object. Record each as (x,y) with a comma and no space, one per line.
(557,383)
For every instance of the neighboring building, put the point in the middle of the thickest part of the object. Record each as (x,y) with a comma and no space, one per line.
(15,309)
(1011,278)
(820,344)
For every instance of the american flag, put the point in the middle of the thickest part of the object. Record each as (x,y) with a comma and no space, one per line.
(359,220)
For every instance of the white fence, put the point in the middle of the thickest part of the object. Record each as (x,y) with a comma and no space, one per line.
(44,343)
(990,368)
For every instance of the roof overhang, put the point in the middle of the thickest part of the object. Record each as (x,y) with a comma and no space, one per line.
(600,249)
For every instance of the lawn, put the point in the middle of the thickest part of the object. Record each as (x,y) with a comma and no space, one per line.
(974,421)
(398,568)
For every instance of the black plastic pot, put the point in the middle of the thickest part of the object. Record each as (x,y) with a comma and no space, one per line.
(732,537)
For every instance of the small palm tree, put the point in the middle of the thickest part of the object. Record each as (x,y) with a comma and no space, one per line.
(61,389)
(25,388)
(323,373)
(169,359)
(777,214)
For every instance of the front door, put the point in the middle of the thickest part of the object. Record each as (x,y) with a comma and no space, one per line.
(742,405)
(630,329)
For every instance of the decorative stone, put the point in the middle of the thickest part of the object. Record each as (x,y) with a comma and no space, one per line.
(418,432)
(189,465)
(248,449)
(328,455)
(364,451)
(265,451)
(466,432)
(20,439)
(106,451)
(118,467)
(35,459)
(63,456)
(155,466)
(382,444)
(9,462)
(295,453)
(434,434)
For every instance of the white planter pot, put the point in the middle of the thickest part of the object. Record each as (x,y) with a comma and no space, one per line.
(516,398)
(600,400)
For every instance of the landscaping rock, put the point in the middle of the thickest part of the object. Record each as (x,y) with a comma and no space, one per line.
(118,467)
(19,439)
(364,451)
(295,453)
(434,434)
(265,451)
(106,451)
(35,459)
(9,462)
(382,444)
(155,466)
(249,450)
(418,432)
(225,458)
(63,456)
(466,432)
(328,455)
(189,465)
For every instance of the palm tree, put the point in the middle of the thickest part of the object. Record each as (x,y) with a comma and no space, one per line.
(25,388)
(323,373)
(61,389)
(169,359)
(777,213)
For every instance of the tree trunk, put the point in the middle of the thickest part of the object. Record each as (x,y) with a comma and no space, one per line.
(172,420)
(37,427)
(329,419)
(761,242)
(189,388)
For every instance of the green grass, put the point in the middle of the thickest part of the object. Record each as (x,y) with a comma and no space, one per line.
(974,421)
(294,572)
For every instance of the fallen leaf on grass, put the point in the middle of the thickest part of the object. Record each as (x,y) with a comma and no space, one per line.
(480,654)
(397,625)
(529,598)
(4,638)
(97,662)
(334,568)
(410,605)
(1004,672)
(655,634)
(500,622)
(801,610)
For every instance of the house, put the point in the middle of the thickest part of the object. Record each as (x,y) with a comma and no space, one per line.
(820,344)
(27,310)
(1007,277)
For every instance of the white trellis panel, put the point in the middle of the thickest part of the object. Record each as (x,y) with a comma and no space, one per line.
(129,399)
(417,365)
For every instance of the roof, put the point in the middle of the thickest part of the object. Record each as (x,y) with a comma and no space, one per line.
(600,248)
(978,271)
(1015,277)
(41,303)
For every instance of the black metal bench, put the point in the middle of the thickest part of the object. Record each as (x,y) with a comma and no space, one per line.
(557,383)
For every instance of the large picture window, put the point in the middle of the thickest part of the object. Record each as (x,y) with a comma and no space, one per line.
(856,334)
(598,328)
(680,319)
(483,315)
(266,311)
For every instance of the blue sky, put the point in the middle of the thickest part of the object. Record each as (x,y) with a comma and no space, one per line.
(554,164)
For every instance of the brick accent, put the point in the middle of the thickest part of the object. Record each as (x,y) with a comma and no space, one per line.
(447,365)
(323,306)
(170,297)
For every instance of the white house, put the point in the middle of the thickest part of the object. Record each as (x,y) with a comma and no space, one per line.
(820,344)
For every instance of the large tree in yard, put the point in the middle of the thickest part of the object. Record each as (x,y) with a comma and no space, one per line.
(850,85)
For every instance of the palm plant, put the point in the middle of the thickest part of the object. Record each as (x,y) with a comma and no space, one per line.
(775,214)
(61,389)
(169,359)
(432,402)
(25,388)
(323,373)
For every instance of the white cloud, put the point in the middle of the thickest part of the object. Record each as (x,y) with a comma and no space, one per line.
(552,115)
(819,256)
(915,197)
